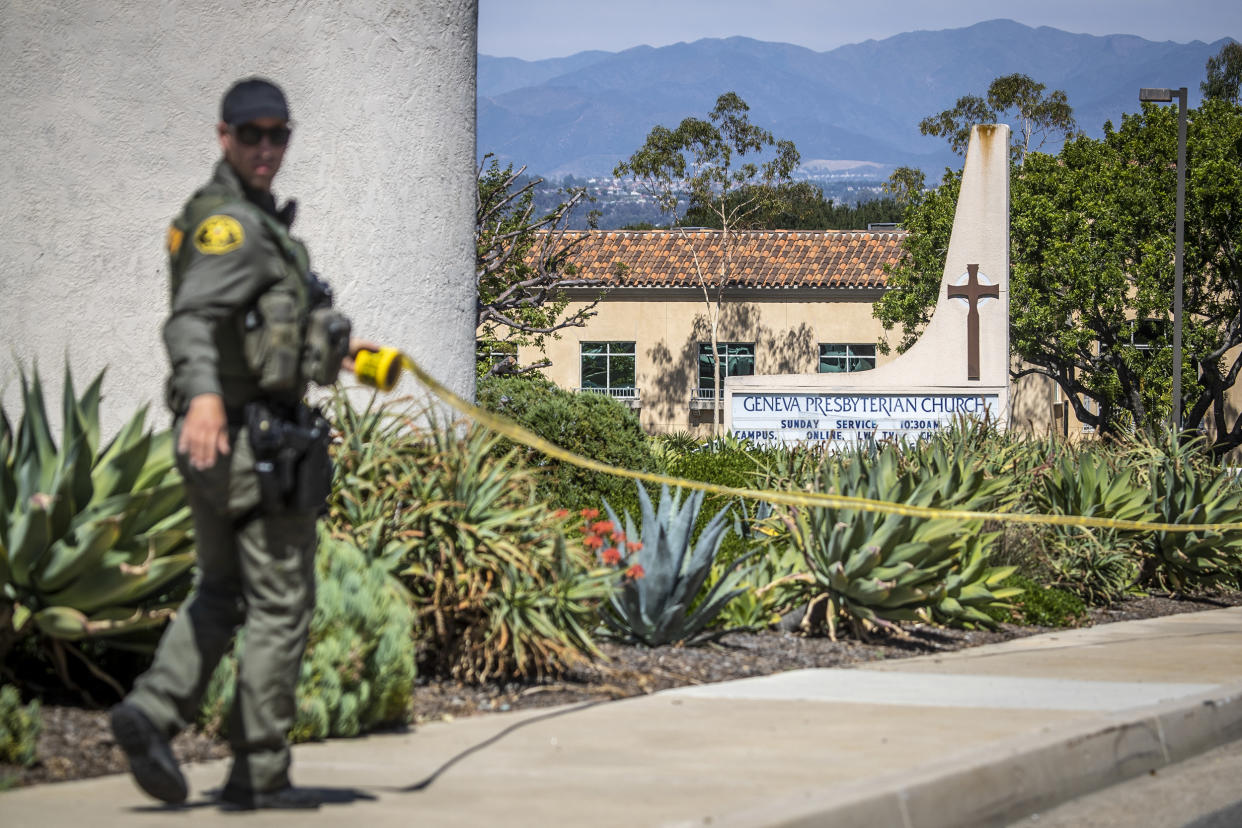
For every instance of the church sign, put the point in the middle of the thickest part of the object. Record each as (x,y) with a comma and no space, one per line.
(958,368)
(841,418)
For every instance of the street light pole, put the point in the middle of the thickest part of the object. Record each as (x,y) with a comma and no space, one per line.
(1166,96)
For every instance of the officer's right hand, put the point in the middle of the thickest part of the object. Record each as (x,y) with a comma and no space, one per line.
(205,431)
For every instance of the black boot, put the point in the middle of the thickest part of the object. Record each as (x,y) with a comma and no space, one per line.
(151,760)
(287,798)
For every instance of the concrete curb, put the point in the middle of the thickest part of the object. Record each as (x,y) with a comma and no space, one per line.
(998,786)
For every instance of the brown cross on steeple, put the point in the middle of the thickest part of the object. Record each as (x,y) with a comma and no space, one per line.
(972,292)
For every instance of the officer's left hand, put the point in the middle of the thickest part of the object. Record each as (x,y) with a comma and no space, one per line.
(356,345)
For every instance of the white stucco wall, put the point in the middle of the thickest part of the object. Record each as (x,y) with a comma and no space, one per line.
(109,113)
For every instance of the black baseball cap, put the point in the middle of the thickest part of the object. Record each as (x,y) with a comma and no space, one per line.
(251,99)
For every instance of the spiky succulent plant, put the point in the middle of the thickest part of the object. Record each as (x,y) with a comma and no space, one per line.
(871,568)
(1186,488)
(974,587)
(663,605)
(94,543)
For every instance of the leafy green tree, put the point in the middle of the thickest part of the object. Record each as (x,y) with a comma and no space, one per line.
(915,280)
(523,265)
(1224,74)
(906,185)
(716,165)
(1038,116)
(1092,235)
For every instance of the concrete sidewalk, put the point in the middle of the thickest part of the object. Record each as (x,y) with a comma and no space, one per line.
(976,737)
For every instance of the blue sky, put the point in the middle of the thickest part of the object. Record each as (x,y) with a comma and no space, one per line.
(535,29)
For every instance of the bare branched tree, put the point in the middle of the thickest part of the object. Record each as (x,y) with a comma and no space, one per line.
(524,264)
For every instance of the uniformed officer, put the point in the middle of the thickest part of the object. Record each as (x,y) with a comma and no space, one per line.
(250,327)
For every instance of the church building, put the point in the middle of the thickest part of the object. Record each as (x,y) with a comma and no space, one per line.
(793,302)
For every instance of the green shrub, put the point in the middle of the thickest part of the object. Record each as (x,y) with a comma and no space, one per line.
(1099,566)
(1046,606)
(95,541)
(770,584)
(19,728)
(731,466)
(593,425)
(358,671)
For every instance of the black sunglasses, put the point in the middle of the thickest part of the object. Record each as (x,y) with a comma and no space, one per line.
(250,135)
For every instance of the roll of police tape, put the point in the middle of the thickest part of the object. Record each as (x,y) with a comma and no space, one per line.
(380,369)
(506,427)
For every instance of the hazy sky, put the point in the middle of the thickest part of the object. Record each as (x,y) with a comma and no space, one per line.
(534,29)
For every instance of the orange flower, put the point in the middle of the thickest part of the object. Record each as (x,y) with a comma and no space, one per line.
(636,571)
(592,542)
(561,514)
(590,514)
(604,527)
(611,556)
(618,538)
(633,546)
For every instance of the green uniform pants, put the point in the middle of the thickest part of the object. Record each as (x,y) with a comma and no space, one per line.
(255,570)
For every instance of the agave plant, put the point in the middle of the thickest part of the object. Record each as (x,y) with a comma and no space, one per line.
(677,443)
(663,605)
(974,587)
(370,497)
(996,453)
(1090,483)
(874,568)
(1095,563)
(94,543)
(1187,488)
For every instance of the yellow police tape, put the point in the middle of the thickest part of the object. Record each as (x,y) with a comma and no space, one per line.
(518,434)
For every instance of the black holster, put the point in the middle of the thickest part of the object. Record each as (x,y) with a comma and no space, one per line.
(290,457)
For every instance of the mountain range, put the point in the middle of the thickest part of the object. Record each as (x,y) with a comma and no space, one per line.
(853,108)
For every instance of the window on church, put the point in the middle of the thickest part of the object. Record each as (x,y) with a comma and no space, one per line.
(608,368)
(737,359)
(845,359)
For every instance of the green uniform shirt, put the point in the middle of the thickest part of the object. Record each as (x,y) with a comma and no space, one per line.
(225,250)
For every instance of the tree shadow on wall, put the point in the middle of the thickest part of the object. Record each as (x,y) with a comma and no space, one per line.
(791,352)
(676,373)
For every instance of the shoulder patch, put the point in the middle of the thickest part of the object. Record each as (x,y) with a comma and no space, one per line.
(175,238)
(218,234)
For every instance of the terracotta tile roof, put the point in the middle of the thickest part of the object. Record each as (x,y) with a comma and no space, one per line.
(761,258)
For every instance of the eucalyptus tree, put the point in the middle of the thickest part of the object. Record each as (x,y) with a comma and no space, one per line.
(1224,74)
(725,166)
(1037,116)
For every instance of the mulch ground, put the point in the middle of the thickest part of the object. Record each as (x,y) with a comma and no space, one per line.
(76,743)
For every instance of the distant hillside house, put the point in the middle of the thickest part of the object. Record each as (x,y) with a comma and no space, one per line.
(796,301)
